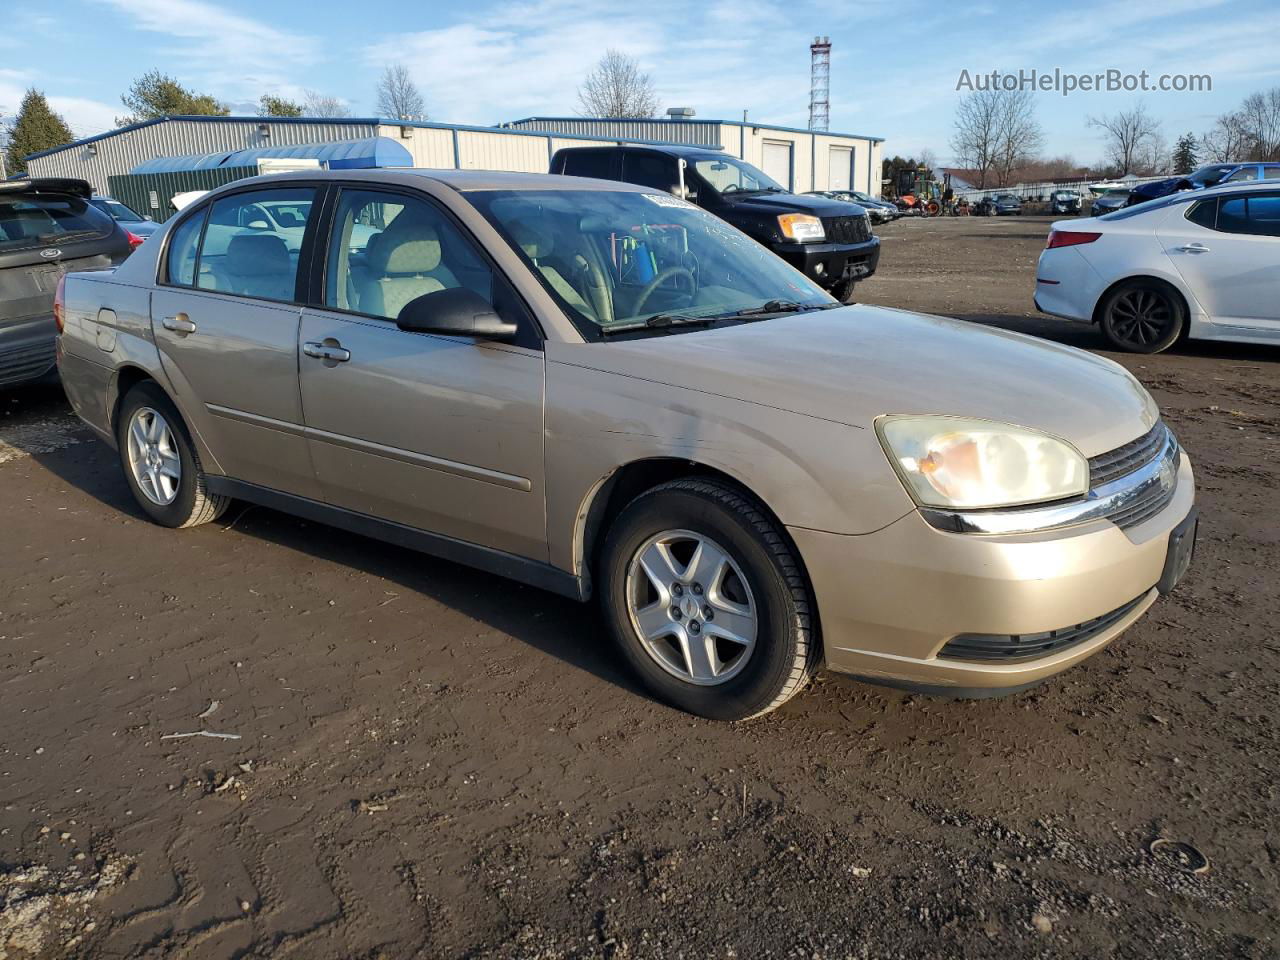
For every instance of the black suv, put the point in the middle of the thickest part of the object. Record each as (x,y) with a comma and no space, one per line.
(829,240)
(47,228)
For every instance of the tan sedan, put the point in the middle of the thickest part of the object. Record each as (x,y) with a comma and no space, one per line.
(602,390)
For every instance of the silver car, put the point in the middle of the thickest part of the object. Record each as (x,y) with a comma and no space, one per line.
(603,390)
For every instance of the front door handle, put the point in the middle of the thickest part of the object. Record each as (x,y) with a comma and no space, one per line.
(329,350)
(1193,248)
(180,323)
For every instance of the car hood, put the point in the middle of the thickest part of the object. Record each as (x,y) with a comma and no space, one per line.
(853,364)
(793,203)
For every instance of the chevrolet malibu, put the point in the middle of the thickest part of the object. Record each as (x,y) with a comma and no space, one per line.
(604,391)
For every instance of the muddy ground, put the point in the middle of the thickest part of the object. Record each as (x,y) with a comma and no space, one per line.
(434,763)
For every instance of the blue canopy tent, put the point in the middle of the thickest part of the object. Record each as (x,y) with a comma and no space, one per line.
(334,155)
(148,186)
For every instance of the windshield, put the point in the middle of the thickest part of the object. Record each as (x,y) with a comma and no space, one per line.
(37,220)
(616,260)
(1208,176)
(730,175)
(116,209)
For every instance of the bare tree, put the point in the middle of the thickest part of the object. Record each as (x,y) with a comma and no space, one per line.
(1131,138)
(1226,141)
(316,104)
(1018,133)
(977,134)
(617,88)
(1260,118)
(398,96)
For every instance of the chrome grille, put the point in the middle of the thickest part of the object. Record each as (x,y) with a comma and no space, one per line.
(1010,648)
(1117,464)
(846,229)
(1122,460)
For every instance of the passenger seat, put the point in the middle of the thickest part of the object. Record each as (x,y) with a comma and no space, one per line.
(399,267)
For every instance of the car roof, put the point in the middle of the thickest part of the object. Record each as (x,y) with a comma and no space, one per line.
(1239,185)
(671,149)
(460,180)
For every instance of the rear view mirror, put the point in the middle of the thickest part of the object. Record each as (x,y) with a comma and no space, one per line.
(458,312)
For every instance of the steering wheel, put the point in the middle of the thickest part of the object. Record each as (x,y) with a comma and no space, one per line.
(730,188)
(653,285)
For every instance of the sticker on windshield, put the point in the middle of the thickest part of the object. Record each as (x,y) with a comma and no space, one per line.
(666,200)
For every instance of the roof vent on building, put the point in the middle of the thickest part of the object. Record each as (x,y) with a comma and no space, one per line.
(680,113)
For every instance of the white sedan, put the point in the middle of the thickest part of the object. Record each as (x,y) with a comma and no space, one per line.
(1202,264)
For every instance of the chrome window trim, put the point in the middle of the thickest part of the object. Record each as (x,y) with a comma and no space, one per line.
(1099,503)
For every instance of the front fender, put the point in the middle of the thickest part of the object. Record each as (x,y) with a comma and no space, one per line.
(809,472)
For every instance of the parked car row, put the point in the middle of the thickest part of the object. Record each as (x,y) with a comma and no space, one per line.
(663,415)
(881,211)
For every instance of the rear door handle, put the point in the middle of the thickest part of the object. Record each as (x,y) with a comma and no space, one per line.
(330,350)
(179,324)
(1193,248)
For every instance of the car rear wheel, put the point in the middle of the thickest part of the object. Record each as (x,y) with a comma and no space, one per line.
(707,602)
(161,464)
(1142,316)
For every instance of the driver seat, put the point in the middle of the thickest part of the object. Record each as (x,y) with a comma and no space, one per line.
(537,245)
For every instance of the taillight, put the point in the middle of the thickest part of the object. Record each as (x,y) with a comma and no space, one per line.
(57,302)
(1069,238)
(135,241)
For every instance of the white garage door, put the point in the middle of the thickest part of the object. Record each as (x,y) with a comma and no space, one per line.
(841,176)
(777,161)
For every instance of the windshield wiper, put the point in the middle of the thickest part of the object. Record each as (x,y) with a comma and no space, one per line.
(658,321)
(778,306)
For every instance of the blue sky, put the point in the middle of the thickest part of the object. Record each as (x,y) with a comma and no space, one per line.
(893,74)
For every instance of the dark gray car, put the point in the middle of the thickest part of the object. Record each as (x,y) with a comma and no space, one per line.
(47,228)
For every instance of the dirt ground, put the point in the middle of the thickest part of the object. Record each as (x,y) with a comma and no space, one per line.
(433,763)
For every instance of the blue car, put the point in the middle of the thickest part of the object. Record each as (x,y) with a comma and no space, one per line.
(1207,176)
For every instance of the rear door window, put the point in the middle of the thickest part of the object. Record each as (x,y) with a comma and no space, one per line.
(44,220)
(651,170)
(184,243)
(1204,212)
(246,251)
(589,163)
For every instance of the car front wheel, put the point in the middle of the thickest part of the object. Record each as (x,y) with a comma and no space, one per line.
(707,602)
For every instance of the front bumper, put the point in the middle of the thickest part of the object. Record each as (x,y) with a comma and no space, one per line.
(26,349)
(829,263)
(889,601)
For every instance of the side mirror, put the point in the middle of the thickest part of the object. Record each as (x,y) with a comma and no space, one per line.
(458,312)
(258,225)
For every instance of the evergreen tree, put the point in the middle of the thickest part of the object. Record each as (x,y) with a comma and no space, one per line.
(35,128)
(1184,154)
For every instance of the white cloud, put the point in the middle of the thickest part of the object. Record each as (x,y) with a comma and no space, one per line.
(232,56)
(719,58)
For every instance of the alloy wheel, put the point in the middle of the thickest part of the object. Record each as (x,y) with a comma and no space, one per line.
(1141,317)
(691,607)
(153,456)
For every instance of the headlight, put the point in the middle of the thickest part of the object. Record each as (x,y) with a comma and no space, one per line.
(962,463)
(801,226)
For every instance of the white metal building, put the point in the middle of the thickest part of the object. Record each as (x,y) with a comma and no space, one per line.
(800,159)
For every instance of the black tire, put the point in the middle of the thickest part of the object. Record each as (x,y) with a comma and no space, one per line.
(786,652)
(845,291)
(192,504)
(1142,316)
